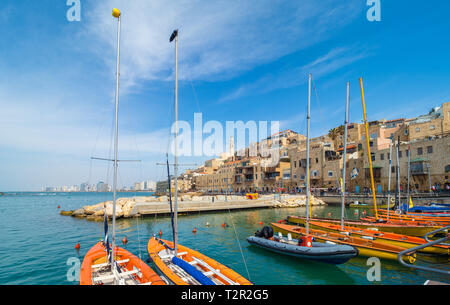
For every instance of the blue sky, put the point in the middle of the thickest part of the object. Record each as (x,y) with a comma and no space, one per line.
(243,60)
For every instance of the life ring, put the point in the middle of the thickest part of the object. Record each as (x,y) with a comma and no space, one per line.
(392,200)
(398,212)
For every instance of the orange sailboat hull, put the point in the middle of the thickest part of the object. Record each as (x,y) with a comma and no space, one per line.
(385,237)
(155,247)
(97,255)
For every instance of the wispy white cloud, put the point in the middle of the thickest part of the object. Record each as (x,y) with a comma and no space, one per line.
(331,62)
(218,39)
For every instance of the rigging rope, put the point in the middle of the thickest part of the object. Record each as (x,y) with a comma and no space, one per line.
(240,248)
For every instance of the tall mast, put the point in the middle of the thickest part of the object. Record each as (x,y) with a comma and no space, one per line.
(399,196)
(368,149)
(409,173)
(308,118)
(118,15)
(347,105)
(389,179)
(175,236)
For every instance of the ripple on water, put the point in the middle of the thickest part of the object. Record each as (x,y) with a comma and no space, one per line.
(37,244)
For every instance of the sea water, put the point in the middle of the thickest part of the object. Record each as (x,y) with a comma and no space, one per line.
(37,244)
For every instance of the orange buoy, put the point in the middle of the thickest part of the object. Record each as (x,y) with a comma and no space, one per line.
(224,225)
(160,233)
(260,223)
(59,206)
(195,230)
(279,221)
(124,240)
(77,246)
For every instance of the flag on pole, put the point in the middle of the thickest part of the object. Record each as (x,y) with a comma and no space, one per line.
(354,173)
(410,203)
(106,242)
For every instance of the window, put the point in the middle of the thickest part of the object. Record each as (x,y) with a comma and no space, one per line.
(430,149)
(317,160)
(373,156)
(399,153)
(419,151)
(315,173)
(432,127)
(302,177)
(407,152)
(447,168)
(389,155)
(295,176)
(359,146)
(406,132)
(295,163)
(393,169)
(417,129)
(381,156)
(371,144)
(330,174)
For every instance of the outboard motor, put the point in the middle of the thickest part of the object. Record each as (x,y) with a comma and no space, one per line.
(266,232)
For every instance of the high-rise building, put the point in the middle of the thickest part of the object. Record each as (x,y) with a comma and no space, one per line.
(102,187)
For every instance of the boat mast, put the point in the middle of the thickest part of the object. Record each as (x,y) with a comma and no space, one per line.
(368,149)
(409,173)
(118,15)
(308,118)
(347,104)
(175,229)
(399,196)
(389,179)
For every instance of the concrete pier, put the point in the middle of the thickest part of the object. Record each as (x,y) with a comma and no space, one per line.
(187,207)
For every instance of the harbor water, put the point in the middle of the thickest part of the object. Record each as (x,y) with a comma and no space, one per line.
(37,244)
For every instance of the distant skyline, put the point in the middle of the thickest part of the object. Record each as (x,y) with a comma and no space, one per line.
(238,61)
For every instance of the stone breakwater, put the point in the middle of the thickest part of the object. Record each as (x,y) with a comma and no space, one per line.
(142,206)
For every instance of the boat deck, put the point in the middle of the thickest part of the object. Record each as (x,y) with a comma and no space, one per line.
(166,256)
(102,274)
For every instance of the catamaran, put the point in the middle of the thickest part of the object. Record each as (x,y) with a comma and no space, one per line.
(105,263)
(178,264)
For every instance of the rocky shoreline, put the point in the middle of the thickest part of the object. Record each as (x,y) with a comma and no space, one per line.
(128,207)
